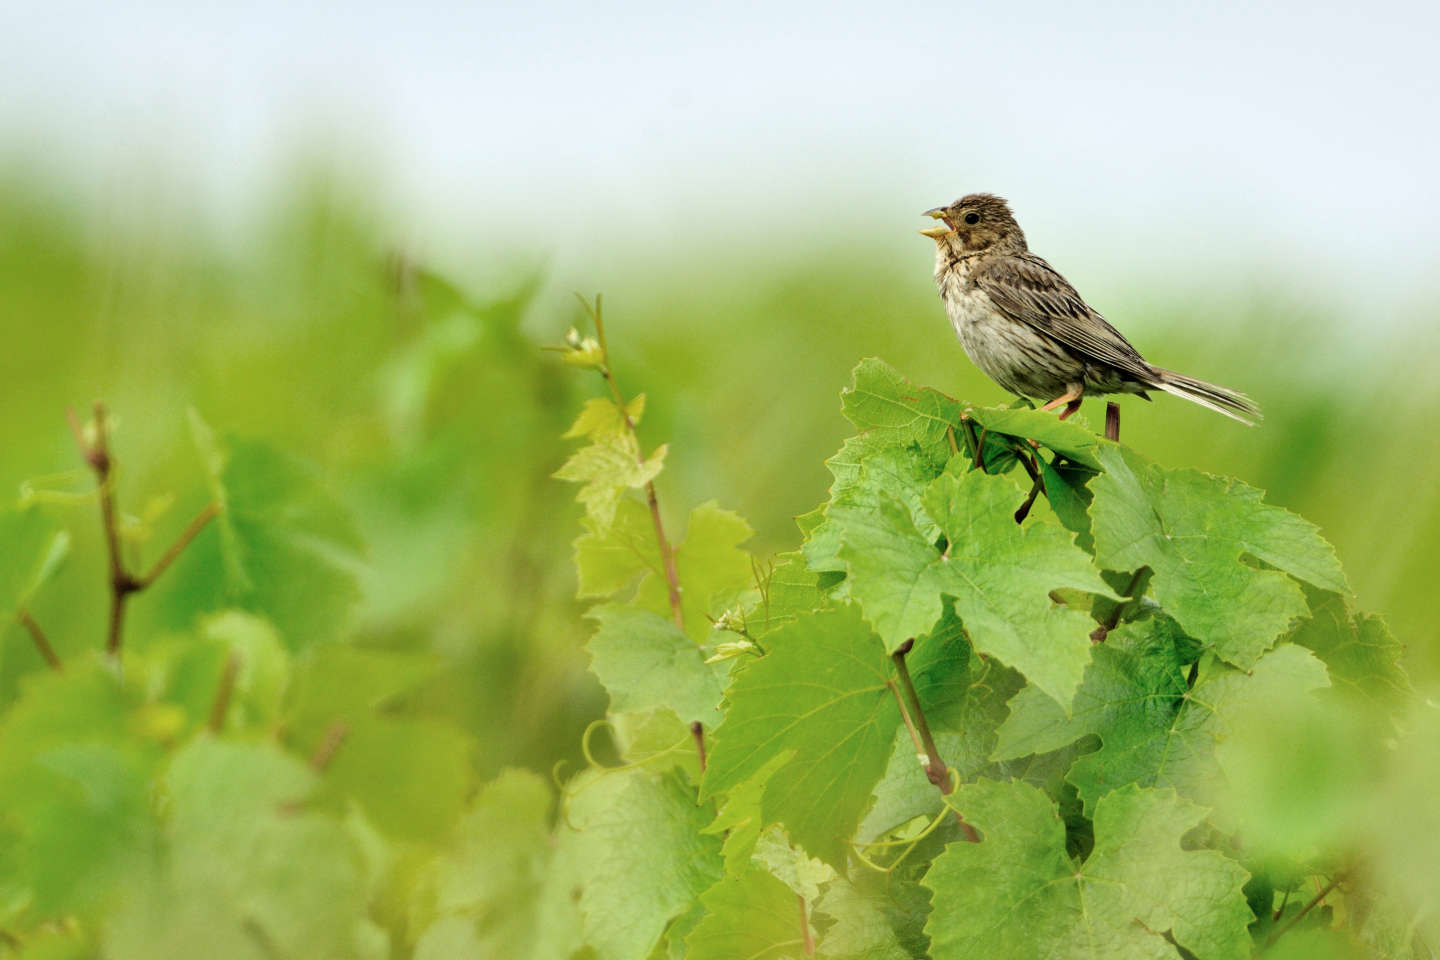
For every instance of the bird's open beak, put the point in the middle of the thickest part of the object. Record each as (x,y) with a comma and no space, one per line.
(939,230)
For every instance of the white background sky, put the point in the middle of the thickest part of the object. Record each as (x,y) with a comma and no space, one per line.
(1303,137)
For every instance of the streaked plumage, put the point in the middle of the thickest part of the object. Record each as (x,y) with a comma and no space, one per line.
(1027,329)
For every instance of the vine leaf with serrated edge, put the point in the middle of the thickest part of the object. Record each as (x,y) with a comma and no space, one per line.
(1153,730)
(1194,531)
(1137,885)
(821,691)
(645,662)
(999,574)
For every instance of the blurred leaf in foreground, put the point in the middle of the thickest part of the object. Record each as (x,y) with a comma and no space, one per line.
(288,550)
(31,547)
(488,885)
(75,785)
(249,873)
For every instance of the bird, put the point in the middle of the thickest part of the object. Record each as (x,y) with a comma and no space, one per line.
(1026,327)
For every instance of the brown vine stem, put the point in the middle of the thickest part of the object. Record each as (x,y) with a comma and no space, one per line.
(181,542)
(1319,898)
(697,730)
(221,706)
(325,751)
(919,728)
(42,643)
(667,553)
(1024,509)
(122,582)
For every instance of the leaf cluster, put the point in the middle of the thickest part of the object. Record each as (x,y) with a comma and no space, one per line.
(1108,656)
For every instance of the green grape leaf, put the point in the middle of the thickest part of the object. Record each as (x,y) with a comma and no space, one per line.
(963,696)
(1136,680)
(1154,731)
(893,409)
(1181,753)
(75,784)
(1065,437)
(1194,531)
(807,522)
(189,669)
(609,465)
(1137,885)
(33,547)
(1300,771)
(645,662)
(740,818)
(791,865)
(342,685)
(410,776)
(860,929)
(601,417)
(609,559)
(999,573)
(289,552)
(791,590)
(1068,493)
(714,572)
(488,881)
(264,664)
(1359,652)
(247,873)
(750,915)
(821,692)
(643,858)
(960,691)
(867,470)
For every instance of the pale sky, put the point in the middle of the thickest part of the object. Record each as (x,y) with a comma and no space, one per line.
(1300,134)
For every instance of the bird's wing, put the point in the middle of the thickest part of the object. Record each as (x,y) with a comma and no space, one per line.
(1028,290)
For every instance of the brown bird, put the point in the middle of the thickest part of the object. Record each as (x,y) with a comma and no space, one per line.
(1027,329)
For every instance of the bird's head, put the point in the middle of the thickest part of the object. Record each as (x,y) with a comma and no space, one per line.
(976,222)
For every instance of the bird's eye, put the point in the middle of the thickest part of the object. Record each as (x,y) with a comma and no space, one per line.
(972,218)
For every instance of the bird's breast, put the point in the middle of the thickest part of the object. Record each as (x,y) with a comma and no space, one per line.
(966,304)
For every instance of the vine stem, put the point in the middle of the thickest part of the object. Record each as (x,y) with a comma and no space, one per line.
(697,731)
(919,728)
(42,643)
(325,750)
(805,927)
(221,705)
(1335,881)
(667,553)
(181,542)
(123,583)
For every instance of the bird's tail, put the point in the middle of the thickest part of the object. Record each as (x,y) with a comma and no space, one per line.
(1234,405)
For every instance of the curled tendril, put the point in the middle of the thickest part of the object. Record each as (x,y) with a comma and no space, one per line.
(602,771)
(909,845)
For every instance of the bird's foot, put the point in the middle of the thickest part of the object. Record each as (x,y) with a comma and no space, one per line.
(1070,399)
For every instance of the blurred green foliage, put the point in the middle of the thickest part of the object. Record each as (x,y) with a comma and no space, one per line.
(385,441)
